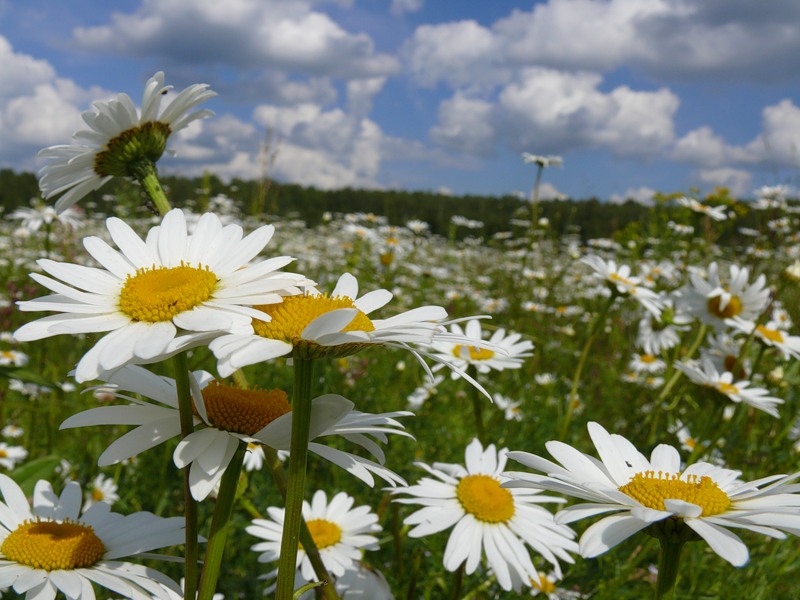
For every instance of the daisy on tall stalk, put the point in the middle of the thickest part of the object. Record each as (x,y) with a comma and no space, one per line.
(157,297)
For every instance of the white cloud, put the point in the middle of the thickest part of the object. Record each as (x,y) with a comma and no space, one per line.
(465,125)
(400,7)
(239,33)
(701,147)
(739,182)
(360,93)
(642,195)
(778,142)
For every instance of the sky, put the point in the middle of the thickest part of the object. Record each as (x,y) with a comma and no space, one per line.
(637,96)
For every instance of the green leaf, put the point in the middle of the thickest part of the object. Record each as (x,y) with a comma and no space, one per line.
(9,372)
(309,586)
(28,474)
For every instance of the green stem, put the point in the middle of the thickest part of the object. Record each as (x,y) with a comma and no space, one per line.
(220,525)
(458,580)
(279,477)
(147,175)
(298,453)
(668,568)
(190,513)
(576,378)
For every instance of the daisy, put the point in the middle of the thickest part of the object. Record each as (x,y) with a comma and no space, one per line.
(621,282)
(12,431)
(35,216)
(359,581)
(468,349)
(646,363)
(724,351)
(717,213)
(11,455)
(772,334)
(51,546)
(487,519)
(254,457)
(13,358)
(706,374)
(715,302)
(340,533)
(511,409)
(660,496)
(315,325)
(162,295)
(120,140)
(657,334)
(102,489)
(228,416)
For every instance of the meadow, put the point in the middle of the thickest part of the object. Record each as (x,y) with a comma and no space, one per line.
(590,363)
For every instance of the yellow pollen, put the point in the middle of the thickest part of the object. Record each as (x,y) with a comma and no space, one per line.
(544,585)
(773,335)
(483,498)
(243,411)
(324,533)
(651,489)
(292,316)
(160,293)
(52,546)
(474,353)
(727,388)
(732,308)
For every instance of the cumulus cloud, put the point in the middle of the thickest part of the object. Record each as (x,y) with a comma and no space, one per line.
(400,7)
(738,181)
(642,195)
(778,142)
(239,33)
(556,112)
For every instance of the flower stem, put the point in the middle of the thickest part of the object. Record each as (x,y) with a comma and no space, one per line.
(147,175)
(279,477)
(576,378)
(190,512)
(458,580)
(220,524)
(477,405)
(298,453)
(668,568)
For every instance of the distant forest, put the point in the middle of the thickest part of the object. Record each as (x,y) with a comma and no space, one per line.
(590,218)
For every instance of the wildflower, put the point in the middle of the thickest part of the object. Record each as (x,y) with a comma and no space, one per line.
(772,334)
(161,296)
(102,489)
(621,282)
(51,547)
(340,533)
(700,501)
(119,140)
(10,456)
(717,213)
(487,519)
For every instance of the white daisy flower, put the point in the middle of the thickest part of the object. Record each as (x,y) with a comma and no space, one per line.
(487,519)
(658,494)
(12,431)
(717,213)
(724,352)
(511,408)
(340,533)
(316,325)
(646,363)
(231,415)
(468,348)
(34,217)
(715,302)
(119,140)
(359,582)
(13,358)
(102,489)
(706,374)
(50,546)
(771,334)
(254,457)
(11,455)
(619,279)
(162,295)
(657,334)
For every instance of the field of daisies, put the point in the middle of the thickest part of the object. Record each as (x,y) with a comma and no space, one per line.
(217,405)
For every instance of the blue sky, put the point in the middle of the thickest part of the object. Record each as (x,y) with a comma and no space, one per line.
(636,95)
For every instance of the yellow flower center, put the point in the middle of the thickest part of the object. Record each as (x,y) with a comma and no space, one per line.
(544,584)
(243,411)
(3,453)
(622,280)
(647,358)
(727,388)
(324,533)
(97,494)
(52,546)
(651,489)
(160,293)
(732,308)
(129,149)
(295,313)
(483,498)
(474,353)
(773,335)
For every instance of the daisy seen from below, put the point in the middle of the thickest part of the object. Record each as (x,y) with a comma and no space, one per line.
(120,141)
(50,546)
(772,334)
(468,349)
(706,374)
(621,283)
(340,533)
(672,503)
(714,302)
(158,296)
(717,213)
(227,416)
(487,519)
